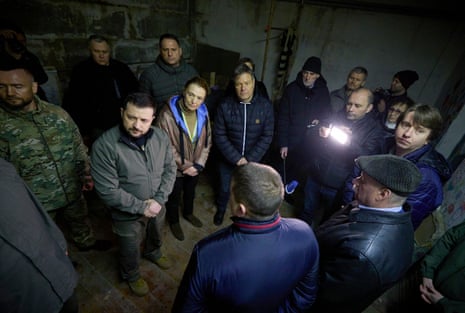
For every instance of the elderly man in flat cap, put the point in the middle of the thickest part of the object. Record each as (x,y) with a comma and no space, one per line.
(367,246)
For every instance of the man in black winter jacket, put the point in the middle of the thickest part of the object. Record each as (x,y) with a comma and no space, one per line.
(97,89)
(242,132)
(305,101)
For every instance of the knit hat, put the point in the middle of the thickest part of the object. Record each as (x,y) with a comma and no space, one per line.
(394,172)
(407,77)
(313,64)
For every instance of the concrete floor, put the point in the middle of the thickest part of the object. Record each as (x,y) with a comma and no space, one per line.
(100,288)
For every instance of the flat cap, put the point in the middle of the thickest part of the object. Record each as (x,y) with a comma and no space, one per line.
(394,172)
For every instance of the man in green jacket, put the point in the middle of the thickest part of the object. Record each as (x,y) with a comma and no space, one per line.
(443,272)
(43,143)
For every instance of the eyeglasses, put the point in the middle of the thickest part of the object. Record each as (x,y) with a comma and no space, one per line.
(395,110)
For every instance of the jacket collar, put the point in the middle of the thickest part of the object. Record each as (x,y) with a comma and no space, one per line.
(168,68)
(202,114)
(362,215)
(134,143)
(254,226)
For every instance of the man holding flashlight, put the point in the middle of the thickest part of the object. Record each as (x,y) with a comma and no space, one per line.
(336,143)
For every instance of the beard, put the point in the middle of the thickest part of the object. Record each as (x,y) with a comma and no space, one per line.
(16,104)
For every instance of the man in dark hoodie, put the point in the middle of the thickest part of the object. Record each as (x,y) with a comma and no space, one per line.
(305,102)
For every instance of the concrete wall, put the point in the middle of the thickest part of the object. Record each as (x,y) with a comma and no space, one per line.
(57,31)
(341,37)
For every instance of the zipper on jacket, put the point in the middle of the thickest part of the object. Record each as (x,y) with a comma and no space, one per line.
(244,128)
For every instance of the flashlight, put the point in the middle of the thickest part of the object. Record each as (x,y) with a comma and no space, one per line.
(339,135)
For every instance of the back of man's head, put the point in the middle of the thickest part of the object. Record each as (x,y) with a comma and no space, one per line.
(259,188)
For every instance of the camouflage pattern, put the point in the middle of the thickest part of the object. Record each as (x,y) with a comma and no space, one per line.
(47,150)
(75,216)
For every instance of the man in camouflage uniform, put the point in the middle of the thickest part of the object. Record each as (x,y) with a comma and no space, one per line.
(43,143)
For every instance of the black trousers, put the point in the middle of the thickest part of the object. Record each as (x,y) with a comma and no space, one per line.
(183,187)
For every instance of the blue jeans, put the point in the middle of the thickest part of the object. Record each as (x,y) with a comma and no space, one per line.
(130,235)
(317,198)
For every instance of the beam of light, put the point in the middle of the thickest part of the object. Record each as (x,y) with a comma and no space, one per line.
(339,135)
